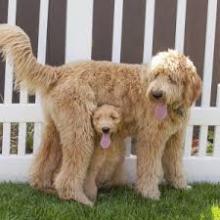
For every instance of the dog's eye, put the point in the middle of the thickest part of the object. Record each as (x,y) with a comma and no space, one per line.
(172,80)
(96,118)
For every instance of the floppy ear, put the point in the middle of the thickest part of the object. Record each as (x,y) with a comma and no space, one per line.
(193,88)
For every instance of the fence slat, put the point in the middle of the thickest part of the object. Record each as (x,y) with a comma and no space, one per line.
(217,128)
(41,57)
(42,33)
(208,69)
(37,136)
(8,83)
(127,142)
(188,141)
(209,52)
(22,138)
(117,31)
(6,139)
(149,30)
(22,125)
(203,142)
(79,29)
(180,25)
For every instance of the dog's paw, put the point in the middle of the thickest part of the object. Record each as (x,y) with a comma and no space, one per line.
(91,191)
(77,196)
(41,183)
(150,193)
(37,184)
(67,191)
(182,185)
(155,195)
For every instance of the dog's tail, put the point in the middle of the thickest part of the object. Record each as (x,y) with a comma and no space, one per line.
(15,44)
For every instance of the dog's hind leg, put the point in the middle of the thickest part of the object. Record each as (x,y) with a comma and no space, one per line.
(48,158)
(173,161)
(77,139)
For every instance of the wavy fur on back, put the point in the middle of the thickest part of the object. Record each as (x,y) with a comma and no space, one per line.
(15,45)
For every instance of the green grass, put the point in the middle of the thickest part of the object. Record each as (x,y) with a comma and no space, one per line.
(21,202)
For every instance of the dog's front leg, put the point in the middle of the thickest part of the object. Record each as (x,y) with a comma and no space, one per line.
(149,167)
(172,161)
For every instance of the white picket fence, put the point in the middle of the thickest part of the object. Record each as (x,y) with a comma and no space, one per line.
(78,46)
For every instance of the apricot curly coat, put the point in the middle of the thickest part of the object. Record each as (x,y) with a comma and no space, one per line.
(106,166)
(71,92)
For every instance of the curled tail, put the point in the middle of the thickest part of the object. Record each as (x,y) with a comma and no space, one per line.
(15,44)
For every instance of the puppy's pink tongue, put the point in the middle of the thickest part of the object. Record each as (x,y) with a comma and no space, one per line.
(160,111)
(105,141)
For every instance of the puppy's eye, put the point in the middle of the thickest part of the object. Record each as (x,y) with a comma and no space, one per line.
(172,80)
(114,117)
(156,75)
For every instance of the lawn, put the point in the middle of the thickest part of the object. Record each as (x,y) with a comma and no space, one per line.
(21,202)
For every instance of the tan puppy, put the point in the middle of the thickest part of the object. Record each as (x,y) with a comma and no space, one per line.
(107,161)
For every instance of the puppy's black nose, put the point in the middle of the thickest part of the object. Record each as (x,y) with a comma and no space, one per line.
(157,94)
(105,130)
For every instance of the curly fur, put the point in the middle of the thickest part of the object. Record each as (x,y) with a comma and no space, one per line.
(106,166)
(70,94)
(16,45)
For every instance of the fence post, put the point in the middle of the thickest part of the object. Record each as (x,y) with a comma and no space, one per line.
(217,128)
(208,69)
(41,57)
(8,84)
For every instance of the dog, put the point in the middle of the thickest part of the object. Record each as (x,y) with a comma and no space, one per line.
(154,100)
(106,167)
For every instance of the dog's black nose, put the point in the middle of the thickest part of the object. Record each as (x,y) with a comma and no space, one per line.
(157,94)
(105,130)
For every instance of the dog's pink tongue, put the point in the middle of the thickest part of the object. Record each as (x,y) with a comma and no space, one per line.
(105,141)
(160,111)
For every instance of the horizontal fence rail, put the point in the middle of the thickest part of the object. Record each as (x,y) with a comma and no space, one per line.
(119,31)
(33,113)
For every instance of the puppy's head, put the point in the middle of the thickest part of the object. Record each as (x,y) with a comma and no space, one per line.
(106,121)
(172,82)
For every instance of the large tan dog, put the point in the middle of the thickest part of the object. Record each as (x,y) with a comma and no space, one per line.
(154,103)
